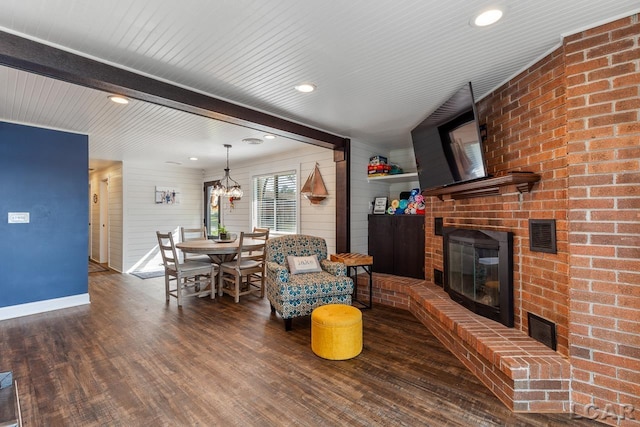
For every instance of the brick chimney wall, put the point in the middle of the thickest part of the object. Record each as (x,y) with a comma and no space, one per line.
(572,118)
(526,131)
(603,101)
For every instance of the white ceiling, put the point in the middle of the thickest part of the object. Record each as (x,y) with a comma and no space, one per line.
(380,66)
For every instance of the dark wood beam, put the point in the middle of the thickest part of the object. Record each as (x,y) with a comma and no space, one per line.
(38,58)
(342,158)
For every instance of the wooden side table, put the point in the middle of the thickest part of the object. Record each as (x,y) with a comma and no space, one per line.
(354,261)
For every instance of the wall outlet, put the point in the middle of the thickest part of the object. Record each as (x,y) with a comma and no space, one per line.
(18,218)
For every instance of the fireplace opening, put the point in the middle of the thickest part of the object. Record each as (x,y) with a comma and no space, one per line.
(478,271)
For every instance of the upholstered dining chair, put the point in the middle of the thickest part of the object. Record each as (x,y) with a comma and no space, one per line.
(192,278)
(189,234)
(245,274)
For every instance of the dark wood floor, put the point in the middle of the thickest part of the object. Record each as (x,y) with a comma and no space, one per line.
(129,359)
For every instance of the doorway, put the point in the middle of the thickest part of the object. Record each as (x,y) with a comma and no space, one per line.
(90,219)
(104,221)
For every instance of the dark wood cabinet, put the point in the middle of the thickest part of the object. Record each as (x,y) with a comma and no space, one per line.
(396,243)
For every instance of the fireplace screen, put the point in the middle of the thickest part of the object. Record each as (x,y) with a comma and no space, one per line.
(479,271)
(473,272)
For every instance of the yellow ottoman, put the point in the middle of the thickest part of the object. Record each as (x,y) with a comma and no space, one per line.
(336,331)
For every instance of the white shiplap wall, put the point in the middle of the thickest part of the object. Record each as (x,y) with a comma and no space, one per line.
(143,217)
(113,175)
(115,219)
(134,217)
(318,220)
(405,158)
(364,192)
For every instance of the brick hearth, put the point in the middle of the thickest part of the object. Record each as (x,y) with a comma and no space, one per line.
(523,373)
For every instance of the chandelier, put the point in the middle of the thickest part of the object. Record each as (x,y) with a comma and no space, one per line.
(223,187)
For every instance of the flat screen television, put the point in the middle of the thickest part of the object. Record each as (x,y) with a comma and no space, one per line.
(448,145)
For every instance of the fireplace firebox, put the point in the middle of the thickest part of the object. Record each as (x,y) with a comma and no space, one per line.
(478,271)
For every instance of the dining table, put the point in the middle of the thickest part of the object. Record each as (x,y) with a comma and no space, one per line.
(220,251)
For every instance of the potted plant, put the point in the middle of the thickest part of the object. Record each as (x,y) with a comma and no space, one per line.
(222,232)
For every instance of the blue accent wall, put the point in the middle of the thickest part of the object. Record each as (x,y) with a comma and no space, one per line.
(43,172)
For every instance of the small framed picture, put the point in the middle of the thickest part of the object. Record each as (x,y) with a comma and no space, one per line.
(380,206)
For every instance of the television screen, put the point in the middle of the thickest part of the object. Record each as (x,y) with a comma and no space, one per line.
(447,144)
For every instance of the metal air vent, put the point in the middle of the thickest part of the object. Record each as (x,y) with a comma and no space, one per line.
(542,235)
(542,330)
(438,277)
(437,226)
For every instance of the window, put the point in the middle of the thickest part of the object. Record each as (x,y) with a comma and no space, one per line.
(275,201)
(211,209)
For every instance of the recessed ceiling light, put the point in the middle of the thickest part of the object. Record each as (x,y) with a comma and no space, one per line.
(252,141)
(269,136)
(119,99)
(305,87)
(193,158)
(487,17)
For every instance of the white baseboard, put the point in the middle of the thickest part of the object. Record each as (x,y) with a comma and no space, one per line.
(43,306)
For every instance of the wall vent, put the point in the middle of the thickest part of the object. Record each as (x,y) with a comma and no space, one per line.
(542,330)
(542,235)
(438,277)
(437,226)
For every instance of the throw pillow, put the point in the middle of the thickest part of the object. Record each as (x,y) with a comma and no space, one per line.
(303,264)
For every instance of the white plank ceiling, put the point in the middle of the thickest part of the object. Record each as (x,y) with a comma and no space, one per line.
(380,65)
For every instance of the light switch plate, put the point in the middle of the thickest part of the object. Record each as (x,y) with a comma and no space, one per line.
(18,217)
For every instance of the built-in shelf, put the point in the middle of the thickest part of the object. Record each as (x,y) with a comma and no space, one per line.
(484,187)
(399,177)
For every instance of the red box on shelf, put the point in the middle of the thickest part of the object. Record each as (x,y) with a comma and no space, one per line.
(378,169)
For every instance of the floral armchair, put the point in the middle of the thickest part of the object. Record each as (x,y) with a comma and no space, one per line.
(294,295)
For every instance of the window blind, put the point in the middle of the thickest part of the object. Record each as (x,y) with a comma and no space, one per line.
(275,198)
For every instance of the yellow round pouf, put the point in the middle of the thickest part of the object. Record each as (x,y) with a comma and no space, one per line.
(336,331)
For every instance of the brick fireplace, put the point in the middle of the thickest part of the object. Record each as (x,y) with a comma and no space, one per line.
(572,118)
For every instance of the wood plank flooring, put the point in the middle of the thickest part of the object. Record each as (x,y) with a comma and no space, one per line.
(129,359)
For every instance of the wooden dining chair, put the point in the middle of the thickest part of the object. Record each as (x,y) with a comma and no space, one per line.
(189,234)
(245,275)
(262,230)
(192,278)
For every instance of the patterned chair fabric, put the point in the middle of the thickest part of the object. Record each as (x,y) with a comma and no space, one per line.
(294,295)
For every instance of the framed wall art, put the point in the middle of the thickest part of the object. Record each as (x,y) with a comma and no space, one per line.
(167,195)
(380,206)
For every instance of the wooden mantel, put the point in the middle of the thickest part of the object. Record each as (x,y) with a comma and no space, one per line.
(484,187)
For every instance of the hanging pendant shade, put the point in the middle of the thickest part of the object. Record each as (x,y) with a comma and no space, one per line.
(227,186)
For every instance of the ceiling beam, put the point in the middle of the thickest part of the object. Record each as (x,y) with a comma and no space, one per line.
(38,58)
